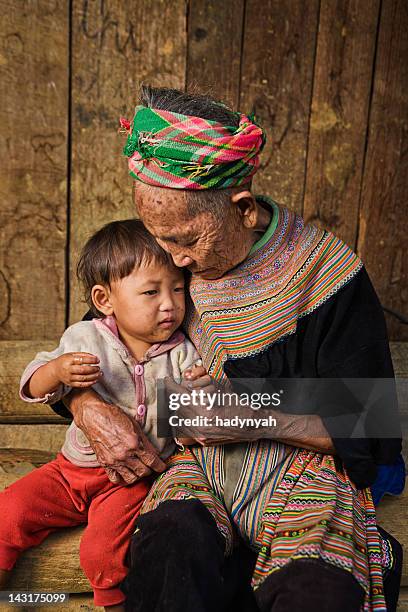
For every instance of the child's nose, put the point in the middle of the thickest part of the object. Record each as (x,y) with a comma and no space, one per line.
(167,302)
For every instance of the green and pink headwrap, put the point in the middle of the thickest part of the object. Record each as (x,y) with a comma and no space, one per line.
(182,152)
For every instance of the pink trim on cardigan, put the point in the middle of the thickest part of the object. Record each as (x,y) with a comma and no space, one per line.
(24,380)
(109,324)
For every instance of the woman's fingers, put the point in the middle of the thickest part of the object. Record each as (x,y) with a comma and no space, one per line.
(113,475)
(200,383)
(137,467)
(127,475)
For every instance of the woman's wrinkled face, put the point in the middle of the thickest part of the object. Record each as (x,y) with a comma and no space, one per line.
(207,246)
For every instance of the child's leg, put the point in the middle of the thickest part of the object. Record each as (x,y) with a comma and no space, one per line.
(33,507)
(111,518)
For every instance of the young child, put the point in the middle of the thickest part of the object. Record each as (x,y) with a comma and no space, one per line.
(137,295)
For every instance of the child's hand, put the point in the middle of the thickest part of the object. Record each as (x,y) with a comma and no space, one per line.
(197,378)
(77,369)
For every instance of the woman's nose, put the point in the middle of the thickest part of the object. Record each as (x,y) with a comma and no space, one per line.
(181,261)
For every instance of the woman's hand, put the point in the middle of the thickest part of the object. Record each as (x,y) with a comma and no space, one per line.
(118,441)
(306,431)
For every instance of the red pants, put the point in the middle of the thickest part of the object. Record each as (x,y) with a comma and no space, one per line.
(60,494)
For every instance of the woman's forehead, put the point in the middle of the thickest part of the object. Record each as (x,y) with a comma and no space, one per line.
(158,196)
(166,215)
(171,227)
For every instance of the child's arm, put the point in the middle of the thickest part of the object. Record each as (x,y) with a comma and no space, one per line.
(71,369)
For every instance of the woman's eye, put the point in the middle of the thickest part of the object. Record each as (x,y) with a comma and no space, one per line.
(150,292)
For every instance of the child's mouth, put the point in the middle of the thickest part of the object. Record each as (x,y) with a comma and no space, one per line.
(167,323)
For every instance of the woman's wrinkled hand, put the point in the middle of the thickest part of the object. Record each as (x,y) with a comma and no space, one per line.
(118,441)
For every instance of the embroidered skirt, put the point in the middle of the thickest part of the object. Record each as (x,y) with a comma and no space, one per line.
(288,504)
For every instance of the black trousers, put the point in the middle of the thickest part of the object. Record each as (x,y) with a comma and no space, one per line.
(177,564)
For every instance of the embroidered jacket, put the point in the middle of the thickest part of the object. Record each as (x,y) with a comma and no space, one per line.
(301,305)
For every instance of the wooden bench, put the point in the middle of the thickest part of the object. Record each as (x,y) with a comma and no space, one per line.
(54,566)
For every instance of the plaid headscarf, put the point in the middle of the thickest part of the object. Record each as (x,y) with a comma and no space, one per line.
(182,152)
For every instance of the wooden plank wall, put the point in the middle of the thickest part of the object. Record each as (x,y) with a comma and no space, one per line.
(328,79)
(115,46)
(34,97)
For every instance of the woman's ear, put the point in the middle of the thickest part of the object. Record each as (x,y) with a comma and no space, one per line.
(247,207)
(101,299)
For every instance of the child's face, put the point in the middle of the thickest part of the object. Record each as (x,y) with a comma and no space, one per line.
(149,304)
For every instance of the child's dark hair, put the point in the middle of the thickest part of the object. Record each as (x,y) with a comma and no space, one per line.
(114,252)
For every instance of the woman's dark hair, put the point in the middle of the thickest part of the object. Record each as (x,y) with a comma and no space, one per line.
(114,252)
(188,103)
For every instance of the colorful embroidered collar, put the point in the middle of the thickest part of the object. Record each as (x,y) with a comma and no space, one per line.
(290,272)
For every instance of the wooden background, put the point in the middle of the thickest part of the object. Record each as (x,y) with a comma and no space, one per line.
(328,79)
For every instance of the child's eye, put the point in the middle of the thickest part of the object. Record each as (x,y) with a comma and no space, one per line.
(150,292)
(179,289)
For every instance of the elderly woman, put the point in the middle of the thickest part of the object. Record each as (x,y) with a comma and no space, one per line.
(271,297)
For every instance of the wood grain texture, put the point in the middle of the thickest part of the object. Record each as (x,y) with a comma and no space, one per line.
(277,78)
(16,463)
(338,125)
(33,150)
(78,602)
(36,569)
(403,600)
(116,46)
(399,353)
(35,437)
(392,514)
(382,241)
(214,48)
(14,357)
